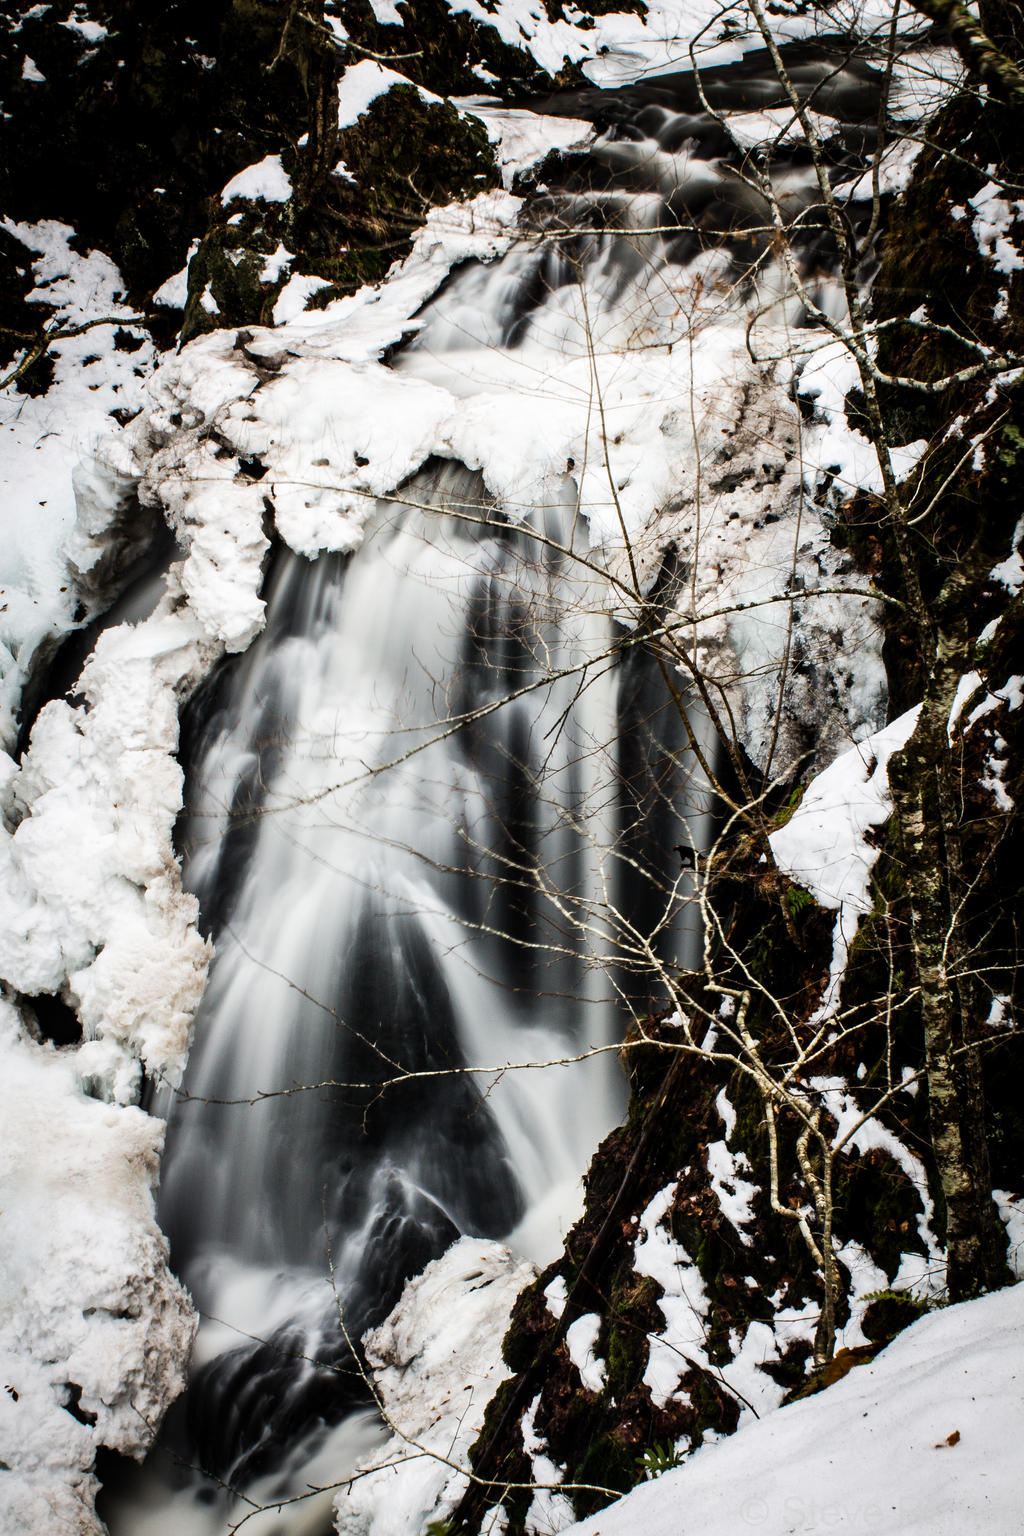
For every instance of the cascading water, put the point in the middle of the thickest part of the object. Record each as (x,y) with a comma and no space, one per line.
(418,803)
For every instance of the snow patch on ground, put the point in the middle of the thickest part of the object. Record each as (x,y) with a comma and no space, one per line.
(174,292)
(994,217)
(1011,1213)
(523,138)
(725,1171)
(296,293)
(1010,572)
(556,1295)
(864,1133)
(685,1306)
(549,1510)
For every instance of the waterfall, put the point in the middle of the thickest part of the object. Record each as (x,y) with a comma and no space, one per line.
(423,809)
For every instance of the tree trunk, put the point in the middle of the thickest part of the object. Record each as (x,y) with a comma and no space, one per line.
(926,796)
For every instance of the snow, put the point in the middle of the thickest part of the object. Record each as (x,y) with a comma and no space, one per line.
(108,922)
(523,138)
(386,13)
(173,293)
(966,688)
(993,219)
(1011,1213)
(362,83)
(91,910)
(995,772)
(685,1307)
(581,1342)
(827,377)
(1010,572)
(863,1133)
(774,126)
(275,264)
(924,1441)
(684,1303)
(296,293)
(725,1172)
(894,170)
(549,1510)
(266,180)
(1011,694)
(556,1295)
(824,846)
(88,31)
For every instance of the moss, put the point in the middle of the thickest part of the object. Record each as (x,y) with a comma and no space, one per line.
(609,1461)
(632,1313)
(405,156)
(227,267)
(889,1313)
(878,1197)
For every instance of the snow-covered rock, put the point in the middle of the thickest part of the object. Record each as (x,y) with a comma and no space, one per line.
(436,1364)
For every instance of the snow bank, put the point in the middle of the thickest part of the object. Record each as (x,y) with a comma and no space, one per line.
(90,897)
(94,1330)
(823,845)
(925,1441)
